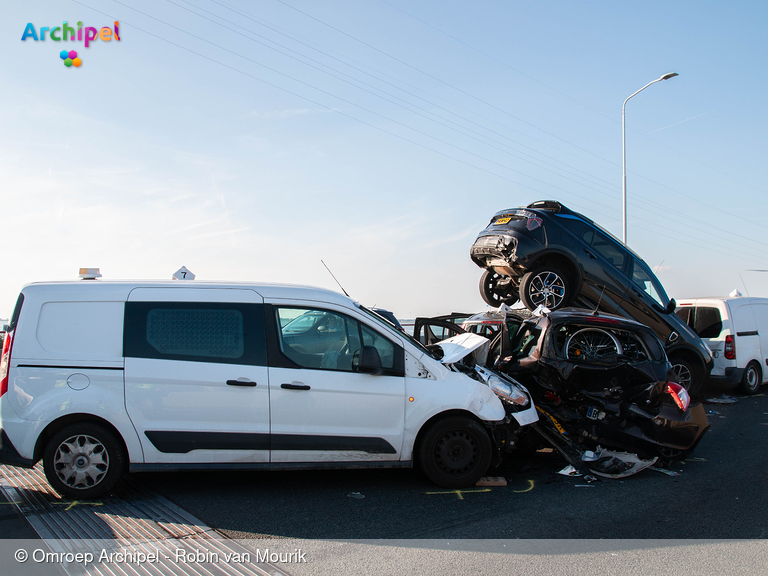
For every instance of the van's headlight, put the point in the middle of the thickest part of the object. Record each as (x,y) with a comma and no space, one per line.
(503,387)
(508,391)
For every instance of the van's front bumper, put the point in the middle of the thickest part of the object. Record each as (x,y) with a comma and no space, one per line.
(9,455)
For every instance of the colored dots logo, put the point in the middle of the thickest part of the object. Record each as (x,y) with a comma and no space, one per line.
(70,58)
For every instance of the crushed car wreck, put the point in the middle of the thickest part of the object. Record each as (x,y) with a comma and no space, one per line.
(601,382)
(602,385)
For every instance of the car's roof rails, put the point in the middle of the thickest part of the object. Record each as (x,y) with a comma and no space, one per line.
(552,205)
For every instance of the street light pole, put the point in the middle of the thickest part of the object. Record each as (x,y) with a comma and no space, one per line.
(624,148)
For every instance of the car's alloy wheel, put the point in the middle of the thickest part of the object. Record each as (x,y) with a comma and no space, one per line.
(546,287)
(83,461)
(752,379)
(687,376)
(496,289)
(455,452)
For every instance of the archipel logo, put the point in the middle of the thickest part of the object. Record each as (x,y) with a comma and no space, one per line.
(68,33)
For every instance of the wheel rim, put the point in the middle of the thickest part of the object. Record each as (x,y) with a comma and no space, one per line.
(81,462)
(546,289)
(683,375)
(456,452)
(591,344)
(494,293)
(752,378)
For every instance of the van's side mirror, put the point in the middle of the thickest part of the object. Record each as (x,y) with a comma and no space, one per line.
(671,307)
(369,361)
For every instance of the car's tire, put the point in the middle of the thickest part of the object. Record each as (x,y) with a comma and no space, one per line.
(455,452)
(546,286)
(83,461)
(752,379)
(493,294)
(687,375)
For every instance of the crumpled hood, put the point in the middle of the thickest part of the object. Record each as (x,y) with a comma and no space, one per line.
(458,347)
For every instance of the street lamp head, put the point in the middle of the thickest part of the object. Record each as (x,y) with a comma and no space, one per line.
(668,76)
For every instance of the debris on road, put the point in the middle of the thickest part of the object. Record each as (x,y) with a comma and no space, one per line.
(724,399)
(492,481)
(664,471)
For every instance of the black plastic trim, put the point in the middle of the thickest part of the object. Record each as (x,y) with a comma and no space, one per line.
(750,333)
(10,456)
(174,442)
(71,367)
(170,442)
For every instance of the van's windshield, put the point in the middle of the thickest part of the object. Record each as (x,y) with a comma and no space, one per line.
(381,322)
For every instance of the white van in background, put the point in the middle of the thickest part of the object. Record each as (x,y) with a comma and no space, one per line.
(736,329)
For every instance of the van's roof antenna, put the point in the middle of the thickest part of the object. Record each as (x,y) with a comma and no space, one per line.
(594,313)
(334,277)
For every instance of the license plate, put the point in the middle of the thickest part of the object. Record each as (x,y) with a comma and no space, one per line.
(504,220)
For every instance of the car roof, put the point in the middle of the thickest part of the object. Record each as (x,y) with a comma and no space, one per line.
(546,207)
(583,315)
(120,289)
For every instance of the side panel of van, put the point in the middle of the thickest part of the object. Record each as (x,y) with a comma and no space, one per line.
(760,311)
(196,379)
(67,361)
(747,335)
(322,409)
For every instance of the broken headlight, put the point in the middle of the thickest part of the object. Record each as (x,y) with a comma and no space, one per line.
(503,387)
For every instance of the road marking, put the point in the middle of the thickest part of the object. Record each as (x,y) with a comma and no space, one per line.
(70,505)
(460,493)
(530,487)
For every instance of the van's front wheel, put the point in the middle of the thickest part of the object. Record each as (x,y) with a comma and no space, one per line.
(455,452)
(83,461)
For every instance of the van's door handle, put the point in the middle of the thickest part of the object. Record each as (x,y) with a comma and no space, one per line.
(240,383)
(590,254)
(295,386)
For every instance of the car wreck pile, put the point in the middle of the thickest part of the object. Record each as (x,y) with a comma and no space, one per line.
(613,373)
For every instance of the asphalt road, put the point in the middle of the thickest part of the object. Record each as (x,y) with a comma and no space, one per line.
(719,494)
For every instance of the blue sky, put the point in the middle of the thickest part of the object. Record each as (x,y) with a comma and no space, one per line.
(250,140)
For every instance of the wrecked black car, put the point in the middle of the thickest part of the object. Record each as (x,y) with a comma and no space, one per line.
(601,382)
(547,255)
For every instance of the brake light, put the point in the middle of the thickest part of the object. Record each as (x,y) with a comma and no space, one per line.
(729,351)
(679,395)
(5,361)
(533,223)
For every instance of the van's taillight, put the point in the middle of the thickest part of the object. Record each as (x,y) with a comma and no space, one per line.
(679,395)
(5,361)
(729,351)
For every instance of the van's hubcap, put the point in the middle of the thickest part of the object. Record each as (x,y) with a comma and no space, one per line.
(81,461)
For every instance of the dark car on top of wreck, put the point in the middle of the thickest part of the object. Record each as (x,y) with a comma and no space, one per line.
(546,254)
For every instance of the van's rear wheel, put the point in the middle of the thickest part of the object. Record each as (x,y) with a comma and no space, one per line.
(455,452)
(752,379)
(83,461)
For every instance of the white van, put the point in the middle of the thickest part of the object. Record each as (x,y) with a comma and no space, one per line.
(736,329)
(100,377)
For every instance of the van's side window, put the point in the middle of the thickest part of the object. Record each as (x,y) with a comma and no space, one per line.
(195,331)
(326,340)
(708,323)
